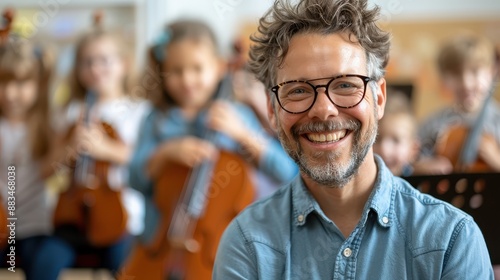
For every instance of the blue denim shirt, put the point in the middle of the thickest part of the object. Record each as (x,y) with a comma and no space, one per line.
(402,234)
(160,126)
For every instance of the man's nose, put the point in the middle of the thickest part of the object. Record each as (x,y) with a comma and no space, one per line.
(323,108)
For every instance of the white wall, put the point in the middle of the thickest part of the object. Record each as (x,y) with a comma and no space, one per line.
(224,16)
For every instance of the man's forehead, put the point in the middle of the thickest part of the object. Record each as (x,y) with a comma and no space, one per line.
(313,54)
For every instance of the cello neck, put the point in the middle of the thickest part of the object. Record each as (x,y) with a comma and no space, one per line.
(193,200)
(84,162)
(224,92)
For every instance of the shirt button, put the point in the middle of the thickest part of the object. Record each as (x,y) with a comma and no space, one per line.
(347,252)
(385,220)
(300,218)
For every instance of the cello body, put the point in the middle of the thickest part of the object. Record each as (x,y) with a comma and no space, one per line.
(230,191)
(93,208)
(450,145)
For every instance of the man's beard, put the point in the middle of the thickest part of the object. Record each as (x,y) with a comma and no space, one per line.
(326,168)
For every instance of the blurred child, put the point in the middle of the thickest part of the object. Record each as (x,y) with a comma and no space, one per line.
(28,148)
(397,135)
(102,70)
(188,72)
(252,93)
(467,67)
(247,89)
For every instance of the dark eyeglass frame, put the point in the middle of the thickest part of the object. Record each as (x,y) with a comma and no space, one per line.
(365,79)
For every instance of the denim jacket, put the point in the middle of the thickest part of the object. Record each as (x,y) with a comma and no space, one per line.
(402,234)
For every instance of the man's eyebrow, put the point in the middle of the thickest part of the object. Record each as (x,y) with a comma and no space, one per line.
(302,78)
(299,79)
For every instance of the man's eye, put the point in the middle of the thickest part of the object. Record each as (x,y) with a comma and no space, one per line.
(297,91)
(345,85)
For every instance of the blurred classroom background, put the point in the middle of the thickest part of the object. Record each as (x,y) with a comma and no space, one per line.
(418,29)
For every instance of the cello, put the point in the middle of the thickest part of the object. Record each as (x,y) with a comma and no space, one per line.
(196,205)
(90,208)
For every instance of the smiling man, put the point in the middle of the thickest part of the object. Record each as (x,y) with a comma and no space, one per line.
(346,216)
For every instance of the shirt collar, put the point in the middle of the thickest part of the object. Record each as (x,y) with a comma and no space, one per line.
(380,201)
(302,202)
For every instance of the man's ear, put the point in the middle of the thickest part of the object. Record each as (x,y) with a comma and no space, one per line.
(271,114)
(381,97)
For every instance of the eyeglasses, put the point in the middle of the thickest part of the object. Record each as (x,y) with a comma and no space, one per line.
(298,96)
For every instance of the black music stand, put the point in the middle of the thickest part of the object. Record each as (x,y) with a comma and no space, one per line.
(477,194)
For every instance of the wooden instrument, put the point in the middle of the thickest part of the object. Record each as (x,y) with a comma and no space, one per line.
(196,206)
(89,206)
(452,143)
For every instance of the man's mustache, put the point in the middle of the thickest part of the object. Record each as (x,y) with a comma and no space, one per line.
(324,126)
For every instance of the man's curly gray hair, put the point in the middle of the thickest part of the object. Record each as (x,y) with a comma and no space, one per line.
(284,20)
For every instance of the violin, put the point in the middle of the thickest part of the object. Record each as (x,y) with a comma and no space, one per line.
(196,206)
(90,207)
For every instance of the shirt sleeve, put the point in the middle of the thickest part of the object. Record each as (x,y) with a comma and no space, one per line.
(234,260)
(275,162)
(131,122)
(64,117)
(145,146)
(467,256)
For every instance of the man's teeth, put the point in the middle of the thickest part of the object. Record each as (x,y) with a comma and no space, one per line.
(326,137)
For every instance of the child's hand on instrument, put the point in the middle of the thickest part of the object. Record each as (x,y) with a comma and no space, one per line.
(189,150)
(92,140)
(222,117)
